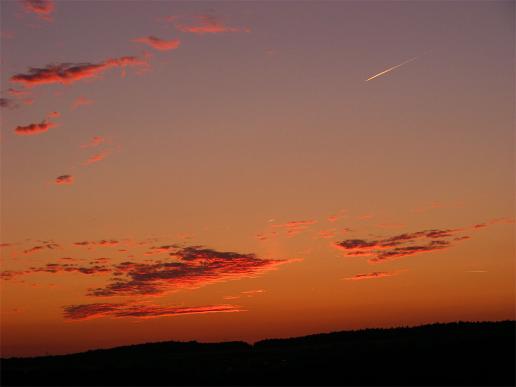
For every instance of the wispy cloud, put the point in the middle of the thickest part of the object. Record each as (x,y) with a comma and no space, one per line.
(159,44)
(8,103)
(101,243)
(96,158)
(56,268)
(140,310)
(337,216)
(326,234)
(81,101)
(95,141)
(400,245)
(373,275)
(68,73)
(296,226)
(209,24)
(46,245)
(18,93)
(41,8)
(53,115)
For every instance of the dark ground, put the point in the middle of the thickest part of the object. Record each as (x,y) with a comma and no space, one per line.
(438,354)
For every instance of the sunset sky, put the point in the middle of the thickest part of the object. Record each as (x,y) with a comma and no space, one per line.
(241,170)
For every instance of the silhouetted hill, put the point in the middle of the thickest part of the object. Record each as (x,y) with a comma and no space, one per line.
(439,354)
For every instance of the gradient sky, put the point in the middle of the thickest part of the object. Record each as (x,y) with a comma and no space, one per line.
(224,170)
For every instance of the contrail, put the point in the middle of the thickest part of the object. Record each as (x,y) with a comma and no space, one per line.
(391,68)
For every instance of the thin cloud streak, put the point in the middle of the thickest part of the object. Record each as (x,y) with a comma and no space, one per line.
(159,44)
(373,275)
(140,310)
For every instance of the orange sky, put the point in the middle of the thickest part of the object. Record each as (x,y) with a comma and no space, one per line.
(235,171)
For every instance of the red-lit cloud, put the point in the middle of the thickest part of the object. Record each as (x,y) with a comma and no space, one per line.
(53,115)
(373,275)
(81,101)
(41,8)
(140,310)
(159,44)
(95,141)
(325,234)
(266,236)
(8,103)
(18,93)
(96,158)
(68,73)
(101,243)
(49,245)
(64,179)
(34,129)
(208,25)
(337,216)
(401,245)
(188,267)
(55,268)
(295,227)
(251,293)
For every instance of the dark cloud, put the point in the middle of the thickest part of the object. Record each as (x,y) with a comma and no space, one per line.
(64,179)
(188,267)
(8,103)
(33,129)
(54,268)
(102,243)
(139,310)
(67,73)
(49,245)
(401,245)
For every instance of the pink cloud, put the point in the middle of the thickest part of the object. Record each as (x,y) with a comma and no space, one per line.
(18,93)
(96,158)
(159,44)
(42,8)
(81,101)
(95,141)
(209,25)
